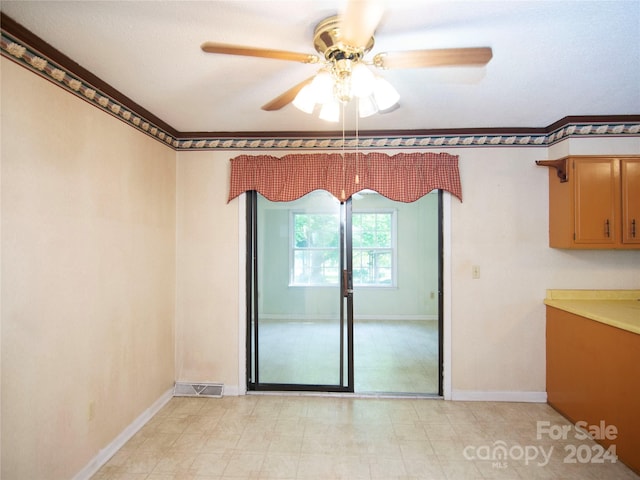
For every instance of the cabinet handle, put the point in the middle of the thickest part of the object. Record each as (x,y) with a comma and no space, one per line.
(633,228)
(606,228)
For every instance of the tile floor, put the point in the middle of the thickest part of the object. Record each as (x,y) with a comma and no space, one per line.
(327,438)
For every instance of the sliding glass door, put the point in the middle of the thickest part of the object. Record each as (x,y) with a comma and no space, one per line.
(396,276)
(300,330)
(314,262)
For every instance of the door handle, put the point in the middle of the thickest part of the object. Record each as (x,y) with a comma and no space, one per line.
(347,287)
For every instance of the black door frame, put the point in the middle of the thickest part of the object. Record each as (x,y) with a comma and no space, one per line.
(440,294)
(346,303)
(253,318)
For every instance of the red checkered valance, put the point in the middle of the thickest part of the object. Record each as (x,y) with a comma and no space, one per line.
(404,177)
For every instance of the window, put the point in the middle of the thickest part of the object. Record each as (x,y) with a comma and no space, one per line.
(316,258)
(315,249)
(373,248)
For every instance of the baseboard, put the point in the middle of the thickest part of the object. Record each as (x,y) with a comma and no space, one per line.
(106,453)
(498,396)
(232,391)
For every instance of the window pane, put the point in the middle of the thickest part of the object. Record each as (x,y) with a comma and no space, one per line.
(383,239)
(315,230)
(372,267)
(316,267)
(372,229)
(360,267)
(300,267)
(383,268)
(383,259)
(315,255)
(372,248)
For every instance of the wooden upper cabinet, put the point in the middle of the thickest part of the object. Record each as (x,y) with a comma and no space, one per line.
(596,199)
(594,202)
(630,171)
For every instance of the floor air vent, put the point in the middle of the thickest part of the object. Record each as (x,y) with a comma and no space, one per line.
(198,390)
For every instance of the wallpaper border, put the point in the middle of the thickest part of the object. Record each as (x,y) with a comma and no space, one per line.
(20,52)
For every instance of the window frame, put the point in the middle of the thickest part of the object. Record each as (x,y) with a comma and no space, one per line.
(393,248)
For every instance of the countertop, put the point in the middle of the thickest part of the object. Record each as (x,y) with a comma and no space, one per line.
(618,308)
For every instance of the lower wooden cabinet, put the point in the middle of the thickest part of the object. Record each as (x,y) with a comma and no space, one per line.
(593,376)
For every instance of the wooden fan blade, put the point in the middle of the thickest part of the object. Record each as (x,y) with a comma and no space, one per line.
(212,47)
(359,21)
(434,58)
(287,97)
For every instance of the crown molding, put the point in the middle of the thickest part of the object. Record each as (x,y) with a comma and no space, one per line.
(28,50)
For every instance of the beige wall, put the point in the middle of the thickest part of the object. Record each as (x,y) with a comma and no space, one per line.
(208,246)
(88,277)
(497,321)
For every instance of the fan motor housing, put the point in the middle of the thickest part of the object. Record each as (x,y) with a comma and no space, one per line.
(327,41)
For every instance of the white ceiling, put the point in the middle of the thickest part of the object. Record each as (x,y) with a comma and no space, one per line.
(551,59)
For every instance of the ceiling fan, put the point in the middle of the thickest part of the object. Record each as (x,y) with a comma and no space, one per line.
(342,42)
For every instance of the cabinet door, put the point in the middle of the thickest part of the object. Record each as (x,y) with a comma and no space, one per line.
(630,172)
(596,200)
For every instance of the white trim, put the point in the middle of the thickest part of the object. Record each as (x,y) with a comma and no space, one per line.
(235,390)
(241,388)
(106,453)
(499,396)
(446,287)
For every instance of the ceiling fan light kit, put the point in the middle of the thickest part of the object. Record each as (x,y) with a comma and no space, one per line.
(343,84)
(344,75)
(385,95)
(330,111)
(343,42)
